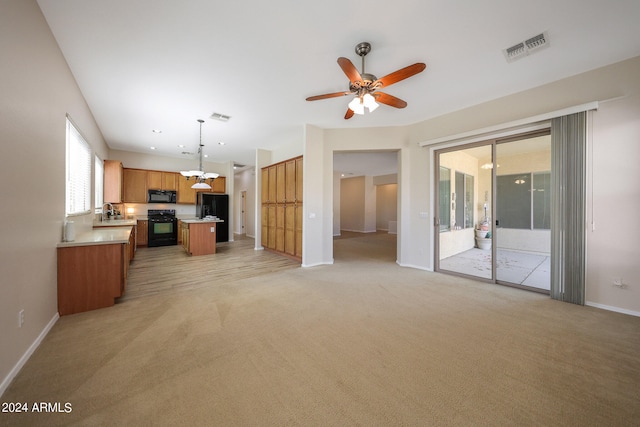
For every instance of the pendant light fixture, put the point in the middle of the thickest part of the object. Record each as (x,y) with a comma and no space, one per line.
(199,175)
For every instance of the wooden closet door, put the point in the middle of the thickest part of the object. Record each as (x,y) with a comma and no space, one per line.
(290,181)
(290,229)
(299,177)
(265,185)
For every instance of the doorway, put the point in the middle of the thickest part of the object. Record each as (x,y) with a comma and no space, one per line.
(365,203)
(493,211)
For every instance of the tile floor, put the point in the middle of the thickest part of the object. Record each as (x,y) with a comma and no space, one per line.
(521,268)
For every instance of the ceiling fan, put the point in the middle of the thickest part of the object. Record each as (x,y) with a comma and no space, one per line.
(366,86)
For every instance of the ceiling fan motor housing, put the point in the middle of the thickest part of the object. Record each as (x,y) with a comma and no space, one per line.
(363,48)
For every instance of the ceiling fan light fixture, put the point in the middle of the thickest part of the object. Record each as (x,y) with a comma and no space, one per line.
(370,102)
(357,106)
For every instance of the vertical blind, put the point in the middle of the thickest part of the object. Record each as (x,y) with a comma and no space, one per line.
(78,170)
(568,218)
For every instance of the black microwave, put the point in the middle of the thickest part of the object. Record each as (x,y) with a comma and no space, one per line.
(160,196)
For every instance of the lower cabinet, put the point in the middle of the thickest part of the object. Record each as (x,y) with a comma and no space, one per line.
(199,238)
(184,235)
(92,276)
(143,232)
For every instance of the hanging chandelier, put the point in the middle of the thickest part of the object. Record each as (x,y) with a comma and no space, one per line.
(199,175)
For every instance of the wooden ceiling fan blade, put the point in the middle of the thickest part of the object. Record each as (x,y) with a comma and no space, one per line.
(350,70)
(349,114)
(390,100)
(328,95)
(402,74)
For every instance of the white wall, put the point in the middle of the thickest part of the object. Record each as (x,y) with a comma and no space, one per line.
(38,90)
(613,243)
(386,205)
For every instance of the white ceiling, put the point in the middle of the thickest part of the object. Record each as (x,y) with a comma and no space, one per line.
(146,64)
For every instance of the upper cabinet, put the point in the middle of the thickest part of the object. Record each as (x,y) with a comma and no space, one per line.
(219,185)
(135,185)
(126,185)
(158,180)
(187,195)
(112,181)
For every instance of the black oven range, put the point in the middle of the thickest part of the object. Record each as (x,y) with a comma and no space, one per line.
(163,227)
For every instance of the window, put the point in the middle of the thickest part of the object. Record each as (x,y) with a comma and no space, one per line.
(524,201)
(99,184)
(78,180)
(444,202)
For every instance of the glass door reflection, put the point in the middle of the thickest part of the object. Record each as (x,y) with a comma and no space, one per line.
(464,200)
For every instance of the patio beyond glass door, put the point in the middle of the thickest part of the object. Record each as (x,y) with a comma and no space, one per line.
(523,212)
(493,211)
(464,210)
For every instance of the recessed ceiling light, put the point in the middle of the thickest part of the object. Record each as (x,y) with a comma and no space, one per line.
(181,145)
(156,131)
(221,143)
(153,148)
(205,155)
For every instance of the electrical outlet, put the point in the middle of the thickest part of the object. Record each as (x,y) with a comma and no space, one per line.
(20,318)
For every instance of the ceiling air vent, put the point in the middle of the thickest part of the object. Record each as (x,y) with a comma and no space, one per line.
(220,117)
(526,47)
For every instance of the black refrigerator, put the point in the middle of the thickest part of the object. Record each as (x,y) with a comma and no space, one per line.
(212,204)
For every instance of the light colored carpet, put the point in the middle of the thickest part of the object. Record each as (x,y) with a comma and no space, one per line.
(361,342)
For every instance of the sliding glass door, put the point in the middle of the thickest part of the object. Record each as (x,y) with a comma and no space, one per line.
(464,206)
(493,210)
(523,212)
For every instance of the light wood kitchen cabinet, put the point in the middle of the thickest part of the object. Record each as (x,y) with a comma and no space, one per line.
(184,235)
(219,185)
(135,185)
(92,276)
(143,232)
(113,181)
(159,180)
(282,207)
(186,194)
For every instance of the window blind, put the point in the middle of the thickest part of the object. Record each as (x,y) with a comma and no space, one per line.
(78,182)
(99,184)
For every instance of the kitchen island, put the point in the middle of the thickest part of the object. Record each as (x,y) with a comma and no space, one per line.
(199,235)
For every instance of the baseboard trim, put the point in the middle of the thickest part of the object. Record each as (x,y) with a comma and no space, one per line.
(417,267)
(612,308)
(25,357)
(316,264)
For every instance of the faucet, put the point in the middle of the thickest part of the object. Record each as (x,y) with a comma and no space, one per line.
(108,211)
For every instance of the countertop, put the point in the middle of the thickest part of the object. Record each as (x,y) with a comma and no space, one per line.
(115,223)
(100,236)
(198,220)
